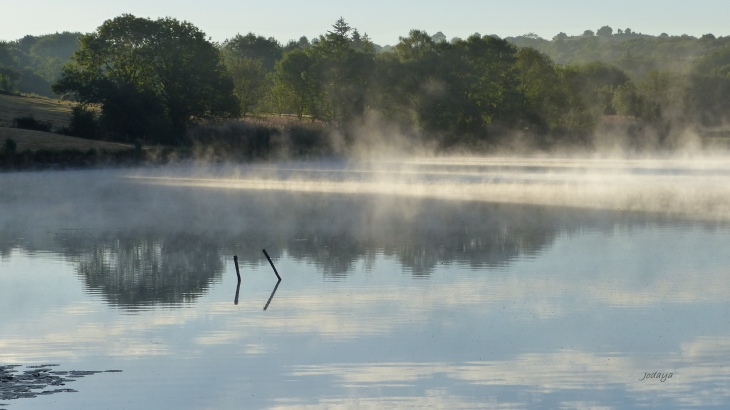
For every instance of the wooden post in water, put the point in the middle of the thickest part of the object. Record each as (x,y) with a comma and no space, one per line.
(235,261)
(238,287)
(272,264)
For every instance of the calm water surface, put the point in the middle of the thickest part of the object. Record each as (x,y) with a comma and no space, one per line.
(387,301)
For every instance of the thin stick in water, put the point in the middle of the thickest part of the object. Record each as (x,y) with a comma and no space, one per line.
(235,261)
(272,264)
(238,287)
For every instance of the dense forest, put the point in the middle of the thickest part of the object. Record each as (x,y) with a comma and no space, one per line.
(31,64)
(149,80)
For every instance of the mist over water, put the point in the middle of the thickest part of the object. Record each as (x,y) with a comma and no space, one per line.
(458,282)
(693,188)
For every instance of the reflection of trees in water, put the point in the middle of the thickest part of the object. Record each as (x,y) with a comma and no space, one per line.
(337,232)
(335,255)
(147,269)
(8,241)
(479,236)
(419,234)
(170,252)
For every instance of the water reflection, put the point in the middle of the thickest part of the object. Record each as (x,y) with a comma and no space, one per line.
(238,290)
(142,268)
(137,253)
(146,269)
(389,302)
(273,292)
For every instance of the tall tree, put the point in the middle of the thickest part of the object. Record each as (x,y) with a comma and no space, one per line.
(604,31)
(9,72)
(268,50)
(164,71)
(340,28)
(249,82)
(539,85)
(294,86)
(343,72)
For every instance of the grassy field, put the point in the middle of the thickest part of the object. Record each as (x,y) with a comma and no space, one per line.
(43,109)
(37,140)
(282,122)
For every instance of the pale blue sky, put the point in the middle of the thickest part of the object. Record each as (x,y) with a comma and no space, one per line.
(383,20)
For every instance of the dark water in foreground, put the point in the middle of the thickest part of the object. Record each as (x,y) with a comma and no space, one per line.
(386,301)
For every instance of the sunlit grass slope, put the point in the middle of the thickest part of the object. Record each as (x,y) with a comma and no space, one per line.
(38,140)
(42,109)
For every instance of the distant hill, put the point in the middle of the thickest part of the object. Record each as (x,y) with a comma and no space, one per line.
(635,53)
(31,64)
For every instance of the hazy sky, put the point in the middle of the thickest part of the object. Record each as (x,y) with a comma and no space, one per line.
(383,20)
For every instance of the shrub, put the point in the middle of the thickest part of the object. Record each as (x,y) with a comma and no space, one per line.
(83,123)
(30,123)
(10,147)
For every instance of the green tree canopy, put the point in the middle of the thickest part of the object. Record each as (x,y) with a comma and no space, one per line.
(343,70)
(9,73)
(542,99)
(438,37)
(716,63)
(152,78)
(604,31)
(302,43)
(295,89)
(32,63)
(453,88)
(58,45)
(250,83)
(268,50)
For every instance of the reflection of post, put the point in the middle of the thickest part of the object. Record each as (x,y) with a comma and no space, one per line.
(238,287)
(272,292)
(272,265)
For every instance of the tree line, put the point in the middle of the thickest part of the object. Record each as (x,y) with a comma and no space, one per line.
(151,80)
(635,53)
(32,63)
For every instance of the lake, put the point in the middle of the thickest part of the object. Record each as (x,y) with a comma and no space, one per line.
(422,283)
